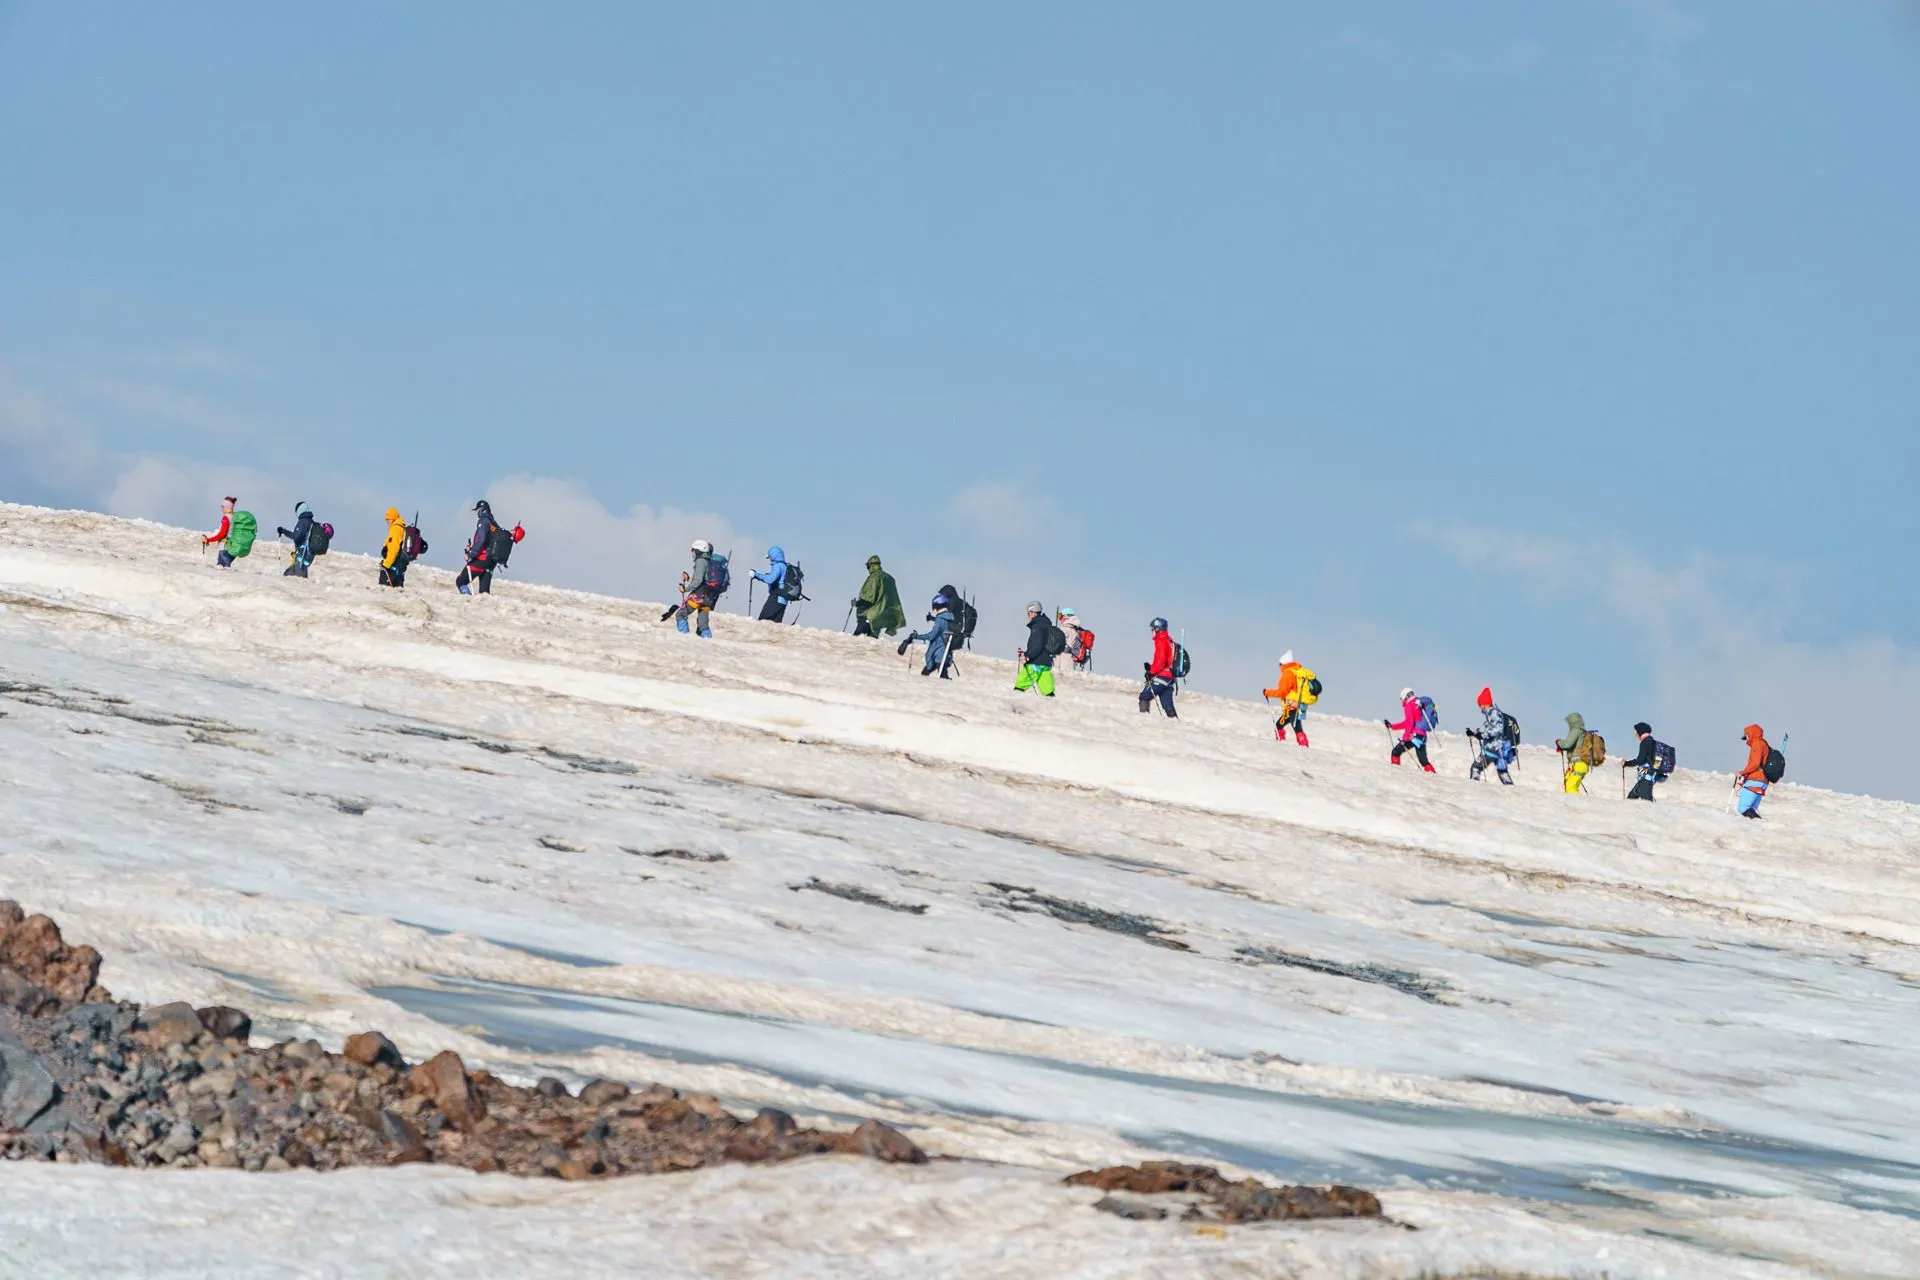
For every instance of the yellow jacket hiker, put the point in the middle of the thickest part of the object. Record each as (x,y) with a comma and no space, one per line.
(393,570)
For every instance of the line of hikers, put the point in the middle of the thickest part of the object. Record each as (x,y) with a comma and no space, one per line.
(486,552)
(952,620)
(1496,740)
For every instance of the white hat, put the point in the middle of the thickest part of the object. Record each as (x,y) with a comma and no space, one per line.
(1405,694)
(1286,657)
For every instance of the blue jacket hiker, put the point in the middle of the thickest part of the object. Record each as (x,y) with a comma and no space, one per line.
(302,536)
(783,588)
(937,637)
(1495,738)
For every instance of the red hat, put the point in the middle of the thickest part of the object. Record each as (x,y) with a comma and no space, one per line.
(1486,698)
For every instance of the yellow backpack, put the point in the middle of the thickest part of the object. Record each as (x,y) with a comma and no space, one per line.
(1307,689)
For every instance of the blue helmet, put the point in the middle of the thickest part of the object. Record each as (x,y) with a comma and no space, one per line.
(1158,624)
(941,599)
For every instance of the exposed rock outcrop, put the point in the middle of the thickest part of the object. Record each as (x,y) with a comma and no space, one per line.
(83,1077)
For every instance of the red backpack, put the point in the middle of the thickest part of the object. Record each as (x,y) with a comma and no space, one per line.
(1085,656)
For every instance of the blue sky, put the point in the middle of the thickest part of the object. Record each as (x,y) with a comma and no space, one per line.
(1568,347)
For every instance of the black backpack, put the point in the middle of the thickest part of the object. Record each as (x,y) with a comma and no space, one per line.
(965,616)
(793,582)
(1315,688)
(1663,761)
(319,538)
(499,546)
(1182,664)
(1776,766)
(1512,728)
(1056,642)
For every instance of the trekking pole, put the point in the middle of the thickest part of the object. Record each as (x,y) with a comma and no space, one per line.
(1623,779)
(750,582)
(844,625)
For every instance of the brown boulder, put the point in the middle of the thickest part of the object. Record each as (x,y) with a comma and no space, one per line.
(884,1142)
(32,947)
(443,1080)
(165,1024)
(223,1022)
(369,1048)
(600,1093)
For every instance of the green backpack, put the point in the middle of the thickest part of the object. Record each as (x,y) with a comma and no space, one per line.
(242,533)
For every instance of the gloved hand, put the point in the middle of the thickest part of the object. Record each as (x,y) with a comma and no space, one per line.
(855,603)
(1387,723)
(1147,667)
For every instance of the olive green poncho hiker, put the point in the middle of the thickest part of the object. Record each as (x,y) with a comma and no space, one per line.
(878,603)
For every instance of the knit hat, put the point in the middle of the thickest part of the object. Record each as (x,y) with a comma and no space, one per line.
(1485,699)
(1643,728)
(1286,657)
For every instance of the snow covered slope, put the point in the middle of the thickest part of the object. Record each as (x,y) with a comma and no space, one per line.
(1563,1035)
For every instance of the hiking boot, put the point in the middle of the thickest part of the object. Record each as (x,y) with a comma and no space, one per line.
(466,591)
(1394,761)
(1300,737)
(1427,767)
(1475,771)
(1506,779)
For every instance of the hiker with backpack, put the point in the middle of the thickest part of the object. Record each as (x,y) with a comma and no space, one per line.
(965,619)
(938,637)
(393,568)
(1162,670)
(1298,689)
(235,534)
(1418,718)
(1581,752)
(1497,738)
(784,585)
(1045,642)
(701,588)
(477,570)
(310,539)
(1654,764)
(878,603)
(1765,766)
(1079,648)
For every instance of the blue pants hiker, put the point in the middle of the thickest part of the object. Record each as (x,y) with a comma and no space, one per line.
(1499,753)
(936,653)
(1747,801)
(1162,688)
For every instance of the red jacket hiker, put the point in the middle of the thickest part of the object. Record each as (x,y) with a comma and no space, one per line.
(1162,664)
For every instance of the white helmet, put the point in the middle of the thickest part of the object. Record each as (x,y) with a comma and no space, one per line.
(1405,694)
(702,547)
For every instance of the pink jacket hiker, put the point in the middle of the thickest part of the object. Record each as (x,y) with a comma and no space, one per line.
(1409,726)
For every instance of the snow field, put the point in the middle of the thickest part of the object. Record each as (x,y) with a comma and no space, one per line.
(547,831)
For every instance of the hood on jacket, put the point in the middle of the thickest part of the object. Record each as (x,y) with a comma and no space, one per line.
(1576,725)
(873,562)
(393,515)
(1754,733)
(776,556)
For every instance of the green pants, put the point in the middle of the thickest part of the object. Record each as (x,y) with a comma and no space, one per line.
(1031,676)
